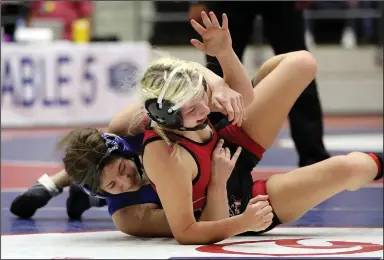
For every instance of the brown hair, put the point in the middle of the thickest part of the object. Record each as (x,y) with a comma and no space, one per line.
(84,148)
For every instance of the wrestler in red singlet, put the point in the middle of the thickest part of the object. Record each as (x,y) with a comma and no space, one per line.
(201,153)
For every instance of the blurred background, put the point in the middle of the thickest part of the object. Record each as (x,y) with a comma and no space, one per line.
(76,63)
(345,37)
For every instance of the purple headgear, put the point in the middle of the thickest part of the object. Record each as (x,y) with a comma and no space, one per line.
(117,146)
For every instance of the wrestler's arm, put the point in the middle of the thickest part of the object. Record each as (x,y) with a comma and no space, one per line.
(215,82)
(129,120)
(174,187)
(148,220)
(145,220)
(235,75)
(216,207)
(222,166)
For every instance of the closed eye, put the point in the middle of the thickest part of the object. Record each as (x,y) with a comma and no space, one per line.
(122,169)
(191,110)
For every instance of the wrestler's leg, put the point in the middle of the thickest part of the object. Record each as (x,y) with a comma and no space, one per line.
(39,194)
(275,94)
(294,193)
(47,187)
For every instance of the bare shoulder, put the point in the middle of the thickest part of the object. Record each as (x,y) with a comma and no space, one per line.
(156,150)
(159,160)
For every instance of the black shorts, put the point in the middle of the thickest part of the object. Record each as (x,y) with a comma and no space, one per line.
(240,184)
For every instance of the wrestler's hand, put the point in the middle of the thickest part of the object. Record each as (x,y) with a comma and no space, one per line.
(216,38)
(222,164)
(258,214)
(228,102)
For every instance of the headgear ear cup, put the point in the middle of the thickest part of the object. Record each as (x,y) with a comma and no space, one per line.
(164,116)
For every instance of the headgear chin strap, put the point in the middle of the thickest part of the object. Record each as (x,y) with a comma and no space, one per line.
(116,146)
(167,113)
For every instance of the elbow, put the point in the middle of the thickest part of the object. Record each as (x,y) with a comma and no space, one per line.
(131,232)
(182,238)
(127,229)
(187,239)
(183,241)
(136,232)
(304,63)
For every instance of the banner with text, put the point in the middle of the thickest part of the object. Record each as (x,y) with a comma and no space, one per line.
(67,84)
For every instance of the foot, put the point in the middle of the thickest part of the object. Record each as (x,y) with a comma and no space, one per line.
(37,196)
(78,202)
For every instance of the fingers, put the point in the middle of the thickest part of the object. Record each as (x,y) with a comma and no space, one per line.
(198,28)
(225,21)
(264,211)
(227,154)
(265,215)
(265,225)
(209,22)
(214,20)
(258,206)
(206,20)
(258,198)
(218,147)
(218,107)
(198,44)
(242,102)
(237,112)
(228,107)
(236,155)
(241,107)
(268,217)
(238,104)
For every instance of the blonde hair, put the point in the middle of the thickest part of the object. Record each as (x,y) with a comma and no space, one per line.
(172,79)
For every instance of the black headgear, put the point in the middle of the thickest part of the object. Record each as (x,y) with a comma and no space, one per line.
(167,113)
(116,146)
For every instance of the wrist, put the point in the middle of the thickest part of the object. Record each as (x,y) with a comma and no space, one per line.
(240,223)
(217,186)
(225,53)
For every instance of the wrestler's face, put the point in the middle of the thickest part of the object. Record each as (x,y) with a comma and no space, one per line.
(196,110)
(120,176)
